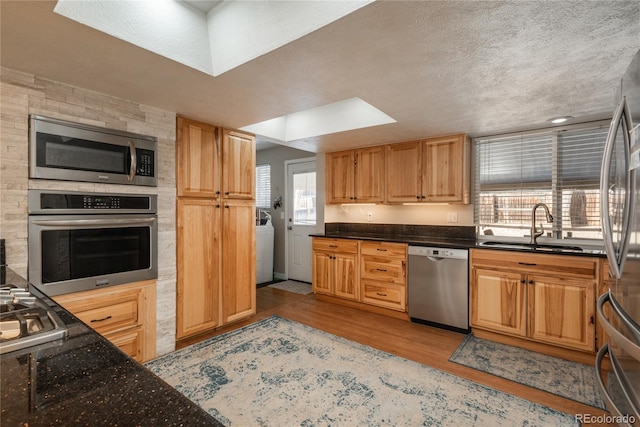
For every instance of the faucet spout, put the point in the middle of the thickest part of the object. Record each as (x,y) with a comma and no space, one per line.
(534,229)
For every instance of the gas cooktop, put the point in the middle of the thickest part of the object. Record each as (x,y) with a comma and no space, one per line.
(25,320)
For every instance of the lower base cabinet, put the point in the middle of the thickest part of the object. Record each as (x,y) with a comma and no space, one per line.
(215,263)
(373,273)
(124,314)
(544,298)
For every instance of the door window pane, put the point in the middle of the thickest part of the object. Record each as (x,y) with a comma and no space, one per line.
(304,198)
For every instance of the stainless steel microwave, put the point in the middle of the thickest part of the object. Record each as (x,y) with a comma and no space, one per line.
(69,151)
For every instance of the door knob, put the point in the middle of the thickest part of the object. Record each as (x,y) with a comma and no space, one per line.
(289,228)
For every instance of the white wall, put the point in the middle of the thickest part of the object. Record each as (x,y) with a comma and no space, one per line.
(428,214)
(23,94)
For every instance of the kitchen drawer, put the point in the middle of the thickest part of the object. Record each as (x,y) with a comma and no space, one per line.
(383,269)
(129,341)
(388,295)
(105,313)
(335,245)
(384,249)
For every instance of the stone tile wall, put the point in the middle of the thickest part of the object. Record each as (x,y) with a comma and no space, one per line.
(22,94)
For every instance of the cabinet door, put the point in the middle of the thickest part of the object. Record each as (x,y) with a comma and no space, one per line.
(345,285)
(339,177)
(238,260)
(369,175)
(403,172)
(444,169)
(197,159)
(322,273)
(562,311)
(238,165)
(498,301)
(198,259)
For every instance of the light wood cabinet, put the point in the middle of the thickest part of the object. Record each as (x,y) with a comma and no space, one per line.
(356,176)
(197,159)
(335,267)
(434,170)
(124,314)
(215,228)
(544,298)
(383,274)
(238,260)
(198,262)
(238,165)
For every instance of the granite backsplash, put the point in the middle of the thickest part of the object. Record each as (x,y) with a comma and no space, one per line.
(432,231)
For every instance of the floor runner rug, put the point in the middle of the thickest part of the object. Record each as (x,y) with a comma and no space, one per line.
(293,286)
(575,381)
(278,372)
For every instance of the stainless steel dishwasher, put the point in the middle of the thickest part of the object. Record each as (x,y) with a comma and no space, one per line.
(439,287)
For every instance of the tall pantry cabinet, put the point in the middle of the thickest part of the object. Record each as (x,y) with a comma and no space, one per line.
(215,226)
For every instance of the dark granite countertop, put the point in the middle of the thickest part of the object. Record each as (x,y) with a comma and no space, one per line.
(455,237)
(85,380)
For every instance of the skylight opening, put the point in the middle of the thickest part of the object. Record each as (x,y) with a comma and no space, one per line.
(341,116)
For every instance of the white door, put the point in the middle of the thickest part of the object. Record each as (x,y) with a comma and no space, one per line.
(301,217)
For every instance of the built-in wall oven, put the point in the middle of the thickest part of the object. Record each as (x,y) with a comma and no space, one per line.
(83,241)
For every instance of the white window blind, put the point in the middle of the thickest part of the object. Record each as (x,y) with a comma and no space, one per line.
(263,186)
(560,168)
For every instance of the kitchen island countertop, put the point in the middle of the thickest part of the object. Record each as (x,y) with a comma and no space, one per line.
(85,380)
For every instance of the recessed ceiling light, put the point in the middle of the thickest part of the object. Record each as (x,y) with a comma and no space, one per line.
(562,119)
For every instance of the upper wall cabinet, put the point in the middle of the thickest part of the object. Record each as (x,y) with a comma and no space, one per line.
(214,162)
(198,158)
(238,165)
(356,176)
(432,170)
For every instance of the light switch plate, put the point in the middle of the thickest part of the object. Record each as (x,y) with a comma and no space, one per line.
(452,217)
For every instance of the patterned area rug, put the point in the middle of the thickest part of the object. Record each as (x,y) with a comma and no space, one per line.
(575,381)
(293,286)
(277,372)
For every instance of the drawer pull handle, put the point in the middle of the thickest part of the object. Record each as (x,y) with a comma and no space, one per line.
(333,246)
(381,269)
(101,320)
(381,294)
(381,250)
(527,263)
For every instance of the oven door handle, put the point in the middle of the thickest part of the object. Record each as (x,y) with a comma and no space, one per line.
(77,222)
(134,160)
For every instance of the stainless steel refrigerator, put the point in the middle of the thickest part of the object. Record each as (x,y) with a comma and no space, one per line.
(619,308)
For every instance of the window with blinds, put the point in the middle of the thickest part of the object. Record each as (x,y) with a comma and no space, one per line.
(558,167)
(263,186)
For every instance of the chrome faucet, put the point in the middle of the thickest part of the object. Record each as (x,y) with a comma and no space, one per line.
(534,229)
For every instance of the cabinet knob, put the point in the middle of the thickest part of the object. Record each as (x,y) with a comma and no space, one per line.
(423,197)
(217,206)
(418,197)
(226,193)
(218,192)
(531,282)
(522,281)
(226,206)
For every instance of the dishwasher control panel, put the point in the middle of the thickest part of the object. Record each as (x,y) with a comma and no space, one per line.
(438,252)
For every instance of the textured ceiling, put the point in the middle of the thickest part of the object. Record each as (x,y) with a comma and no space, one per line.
(436,67)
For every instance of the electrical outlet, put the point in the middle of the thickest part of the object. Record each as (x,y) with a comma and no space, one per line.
(369,216)
(452,217)
(281,215)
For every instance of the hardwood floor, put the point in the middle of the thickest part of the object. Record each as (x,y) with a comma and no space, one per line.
(424,344)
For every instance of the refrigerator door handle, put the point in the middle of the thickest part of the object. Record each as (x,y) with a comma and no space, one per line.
(604,393)
(622,341)
(616,261)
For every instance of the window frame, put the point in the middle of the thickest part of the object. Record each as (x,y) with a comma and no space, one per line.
(555,189)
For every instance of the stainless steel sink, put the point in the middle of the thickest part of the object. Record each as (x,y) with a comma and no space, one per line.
(538,247)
